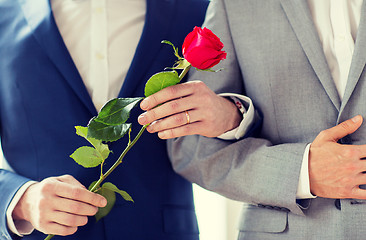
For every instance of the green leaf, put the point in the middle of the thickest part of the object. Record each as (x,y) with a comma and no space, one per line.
(117,111)
(111,200)
(114,188)
(160,81)
(87,157)
(108,133)
(103,149)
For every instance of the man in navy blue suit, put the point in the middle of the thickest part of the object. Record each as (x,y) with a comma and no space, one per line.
(60,61)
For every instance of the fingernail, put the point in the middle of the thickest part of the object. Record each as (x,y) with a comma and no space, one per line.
(161,135)
(142,119)
(144,105)
(356,119)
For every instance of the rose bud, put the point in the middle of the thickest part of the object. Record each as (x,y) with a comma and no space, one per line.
(202,48)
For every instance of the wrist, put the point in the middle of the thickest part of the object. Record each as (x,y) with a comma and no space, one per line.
(21,208)
(237,110)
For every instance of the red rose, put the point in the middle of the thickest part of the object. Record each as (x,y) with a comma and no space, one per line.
(202,48)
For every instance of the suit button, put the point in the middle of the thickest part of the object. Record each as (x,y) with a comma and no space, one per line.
(337,204)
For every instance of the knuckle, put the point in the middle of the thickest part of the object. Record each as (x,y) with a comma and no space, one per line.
(75,192)
(350,153)
(68,176)
(344,125)
(198,84)
(75,208)
(186,130)
(47,187)
(153,99)
(353,192)
(71,221)
(345,192)
(352,167)
(172,91)
(174,105)
(151,115)
(179,119)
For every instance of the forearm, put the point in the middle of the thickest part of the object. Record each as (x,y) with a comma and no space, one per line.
(250,170)
(19,227)
(9,185)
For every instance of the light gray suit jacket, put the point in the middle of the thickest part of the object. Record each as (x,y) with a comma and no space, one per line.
(275,57)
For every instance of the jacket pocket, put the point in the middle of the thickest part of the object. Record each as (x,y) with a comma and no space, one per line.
(265,219)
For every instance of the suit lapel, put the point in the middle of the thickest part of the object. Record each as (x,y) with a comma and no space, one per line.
(299,16)
(40,19)
(358,59)
(157,24)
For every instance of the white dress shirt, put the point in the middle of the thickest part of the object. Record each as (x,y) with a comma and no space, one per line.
(336,22)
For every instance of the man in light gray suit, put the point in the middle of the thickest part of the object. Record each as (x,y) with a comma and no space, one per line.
(303,65)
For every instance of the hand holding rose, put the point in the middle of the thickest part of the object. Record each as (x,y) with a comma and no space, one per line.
(192,108)
(58,205)
(209,114)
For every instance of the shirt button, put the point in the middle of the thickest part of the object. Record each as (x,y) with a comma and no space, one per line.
(99,56)
(99,10)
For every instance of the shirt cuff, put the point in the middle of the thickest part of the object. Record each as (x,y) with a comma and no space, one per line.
(303,189)
(248,112)
(19,227)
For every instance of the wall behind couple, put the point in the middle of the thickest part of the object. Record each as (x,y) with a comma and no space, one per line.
(217,216)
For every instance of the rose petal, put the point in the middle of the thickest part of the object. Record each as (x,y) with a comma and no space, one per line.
(204,58)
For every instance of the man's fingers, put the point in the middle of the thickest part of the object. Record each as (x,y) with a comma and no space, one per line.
(74,207)
(358,193)
(188,129)
(341,130)
(179,119)
(167,109)
(69,220)
(58,229)
(170,93)
(166,94)
(80,194)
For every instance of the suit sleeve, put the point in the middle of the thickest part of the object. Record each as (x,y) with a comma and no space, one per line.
(251,170)
(9,185)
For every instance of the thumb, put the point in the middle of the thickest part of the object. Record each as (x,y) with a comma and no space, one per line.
(343,129)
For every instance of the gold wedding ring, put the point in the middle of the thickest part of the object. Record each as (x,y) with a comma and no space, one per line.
(188,118)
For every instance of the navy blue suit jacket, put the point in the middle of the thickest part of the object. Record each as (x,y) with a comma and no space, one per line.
(42,98)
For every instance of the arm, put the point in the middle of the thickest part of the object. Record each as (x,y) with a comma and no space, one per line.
(10,183)
(266,170)
(57,205)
